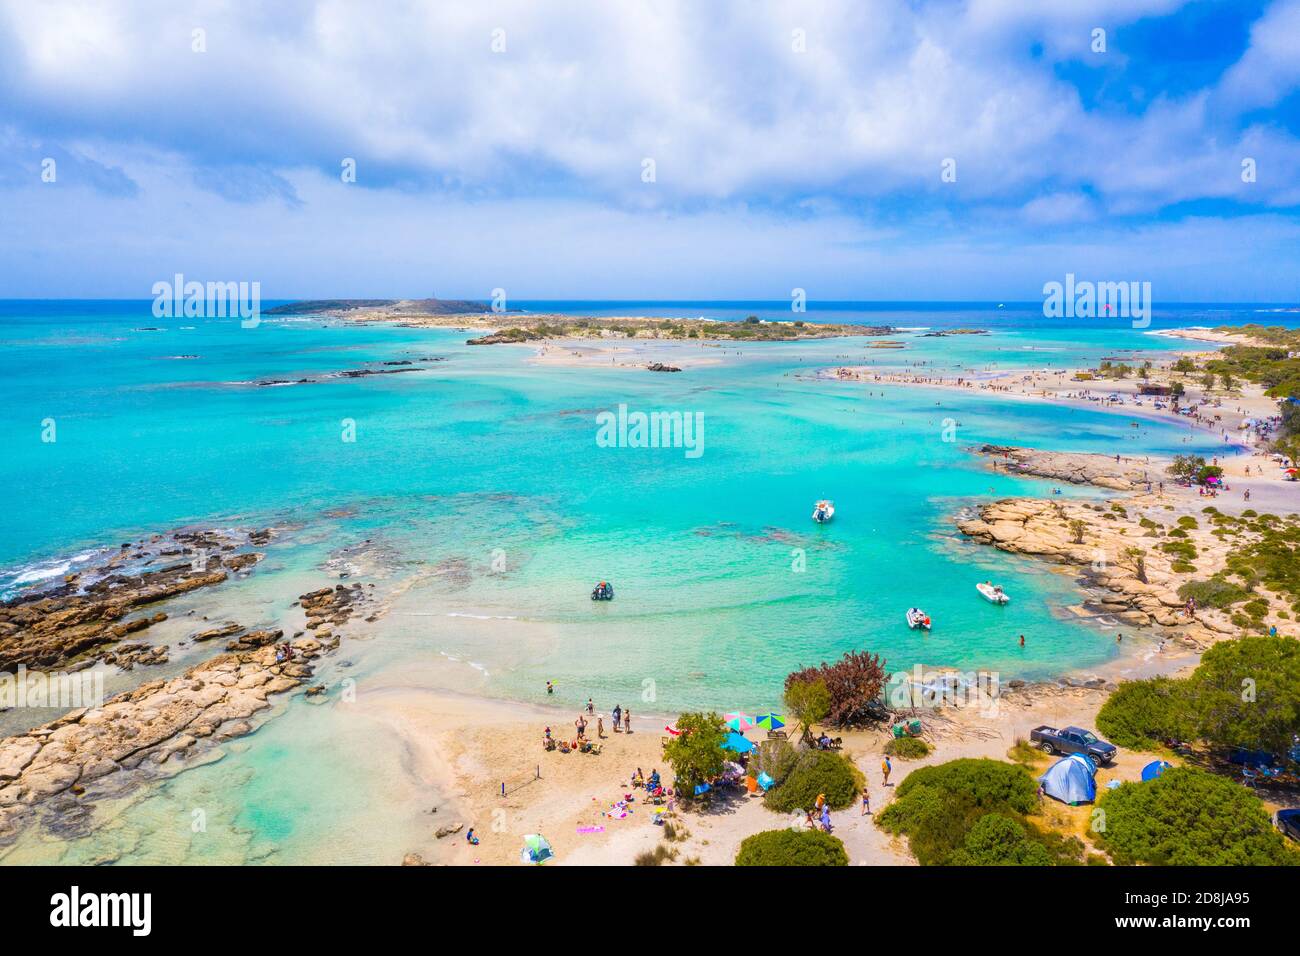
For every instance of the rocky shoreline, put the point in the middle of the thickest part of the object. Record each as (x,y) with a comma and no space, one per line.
(1136,551)
(1117,473)
(55,772)
(64,625)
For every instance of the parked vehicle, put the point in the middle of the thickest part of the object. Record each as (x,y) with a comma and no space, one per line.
(1073,740)
(1288,821)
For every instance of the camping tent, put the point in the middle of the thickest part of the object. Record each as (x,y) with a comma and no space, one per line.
(536,849)
(1070,780)
(1154,769)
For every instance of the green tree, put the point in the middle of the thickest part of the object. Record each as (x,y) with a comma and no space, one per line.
(1246,693)
(696,753)
(1077,528)
(1142,714)
(1135,559)
(792,848)
(1187,817)
(809,701)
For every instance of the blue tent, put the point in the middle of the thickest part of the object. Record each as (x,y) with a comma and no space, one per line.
(738,743)
(1070,780)
(1154,769)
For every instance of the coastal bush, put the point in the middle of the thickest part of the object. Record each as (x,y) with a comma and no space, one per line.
(1141,714)
(908,748)
(1215,592)
(1243,693)
(792,848)
(997,840)
(814,773)
(940,810)
(1187,817)
(776,758)
(1246,693)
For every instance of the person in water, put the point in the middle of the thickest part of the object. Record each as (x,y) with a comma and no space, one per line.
(1022,640)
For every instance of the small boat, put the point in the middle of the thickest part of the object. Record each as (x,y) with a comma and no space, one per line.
(993,592)
(917,618)
(604,591)
(823,511)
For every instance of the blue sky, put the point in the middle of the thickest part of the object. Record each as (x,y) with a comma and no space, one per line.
(504,145)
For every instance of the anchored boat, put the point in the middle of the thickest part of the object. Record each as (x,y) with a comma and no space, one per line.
(604,591)
(993,593)
(823,511)
(916,618)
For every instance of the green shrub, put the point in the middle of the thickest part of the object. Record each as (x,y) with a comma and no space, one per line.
(792,848)
(1141,714)
(997,840)
(1187,817)
(940,809)
(1214,592)
(776,758)
(814,773)
(907,748)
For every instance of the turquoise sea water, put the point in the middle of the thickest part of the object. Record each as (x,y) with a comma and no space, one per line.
(476,498)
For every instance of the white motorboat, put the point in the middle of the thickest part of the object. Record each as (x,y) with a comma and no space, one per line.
(993,592)
(823,511)
(917,618)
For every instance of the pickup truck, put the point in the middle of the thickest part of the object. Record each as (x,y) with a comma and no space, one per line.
(1072,740)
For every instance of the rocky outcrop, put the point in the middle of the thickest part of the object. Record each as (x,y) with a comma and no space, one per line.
(157,724)
(48,628)
(1100,540)
(661,367)
(1104,471)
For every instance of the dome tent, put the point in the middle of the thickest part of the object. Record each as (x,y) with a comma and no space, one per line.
(1070,780)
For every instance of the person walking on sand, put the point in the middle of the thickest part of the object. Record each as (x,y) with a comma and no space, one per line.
(617,715)
(885,767)
(600,728)
(627,721)
(866,800)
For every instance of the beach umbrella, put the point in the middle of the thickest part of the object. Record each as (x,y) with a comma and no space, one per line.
(771,721)
(536,850)
(1155,769)
(738,721)
(738,743)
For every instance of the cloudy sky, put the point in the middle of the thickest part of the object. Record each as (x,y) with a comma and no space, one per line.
(651,148)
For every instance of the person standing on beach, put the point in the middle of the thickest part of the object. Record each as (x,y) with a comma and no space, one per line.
(627,721)
(885,767)
(866,800)
(600,728)
(617,714)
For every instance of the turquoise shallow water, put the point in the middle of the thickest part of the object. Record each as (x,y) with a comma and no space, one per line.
(475,487)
